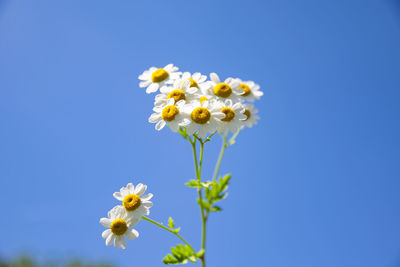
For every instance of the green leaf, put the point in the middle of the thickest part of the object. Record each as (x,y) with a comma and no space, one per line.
(217,190)
(171,223)
(193,183)
(216,208)
(206,205)
(180,254)
(196,184)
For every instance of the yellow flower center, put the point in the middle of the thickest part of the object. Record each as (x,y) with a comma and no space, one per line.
(223,90)
(200,115)
(131,202)
(248,114)
(245,88)
(159,76)
(193,83)
(229,114)
(119,227)
(169,113)
(203,98)
(177,95)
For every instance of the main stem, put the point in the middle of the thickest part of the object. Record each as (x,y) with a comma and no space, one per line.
(198,177)
(169,230)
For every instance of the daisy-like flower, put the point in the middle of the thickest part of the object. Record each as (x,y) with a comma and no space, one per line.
(155,78)
(251,115)
(234,116)
(248,90)
(223,90)
(180,91)
(205,116)
(169,113)
(196,79)
(120,226)
(135,203)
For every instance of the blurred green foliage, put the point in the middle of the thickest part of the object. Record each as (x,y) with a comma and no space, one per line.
(25,261)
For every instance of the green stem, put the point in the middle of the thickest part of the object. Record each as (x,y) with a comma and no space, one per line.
(203,217)
(169,230)
(221,155)
(198,177)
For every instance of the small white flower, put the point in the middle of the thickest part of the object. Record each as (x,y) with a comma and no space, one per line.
(234,116)
(248,90)
(196,79)
(119,224)
(169,113)
(180,91)
(223,90)
(133,200)
(251,115)
(155,78)
(205,117)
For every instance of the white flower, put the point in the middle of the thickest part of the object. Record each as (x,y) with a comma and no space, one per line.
(169,113)
(119,224)
(133,200)
(234,116)
(248,90)
(180,91)
(251,115)
(155,78)
(205,116)
(223,90)
(196,80)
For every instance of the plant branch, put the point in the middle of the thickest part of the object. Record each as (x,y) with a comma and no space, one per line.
(169,230)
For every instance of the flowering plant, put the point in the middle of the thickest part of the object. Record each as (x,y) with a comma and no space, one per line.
(197,109)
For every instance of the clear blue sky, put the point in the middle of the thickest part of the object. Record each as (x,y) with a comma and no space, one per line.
(316,183)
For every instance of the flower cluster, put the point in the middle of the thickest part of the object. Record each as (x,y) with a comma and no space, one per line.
(123,217)
(198,105)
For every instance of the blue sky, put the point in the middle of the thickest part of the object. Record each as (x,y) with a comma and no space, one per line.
(316,183)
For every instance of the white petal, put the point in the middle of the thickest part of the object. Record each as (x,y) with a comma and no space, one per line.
(118,196)
(110,240)
(144,84)
(202,132)
(152,88)
(147,204)
(234,83)
(169,67)
(174,126)
(132,234)
(228,103)
(258,93)
(132,221)
(120,242)
(147,196)
(130,188)
(105,222)
(160,125)
(218,115)
(170,101)
(214,77)
(140,189)
(165,90)
(155,117)
(106,233)
(196,76)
